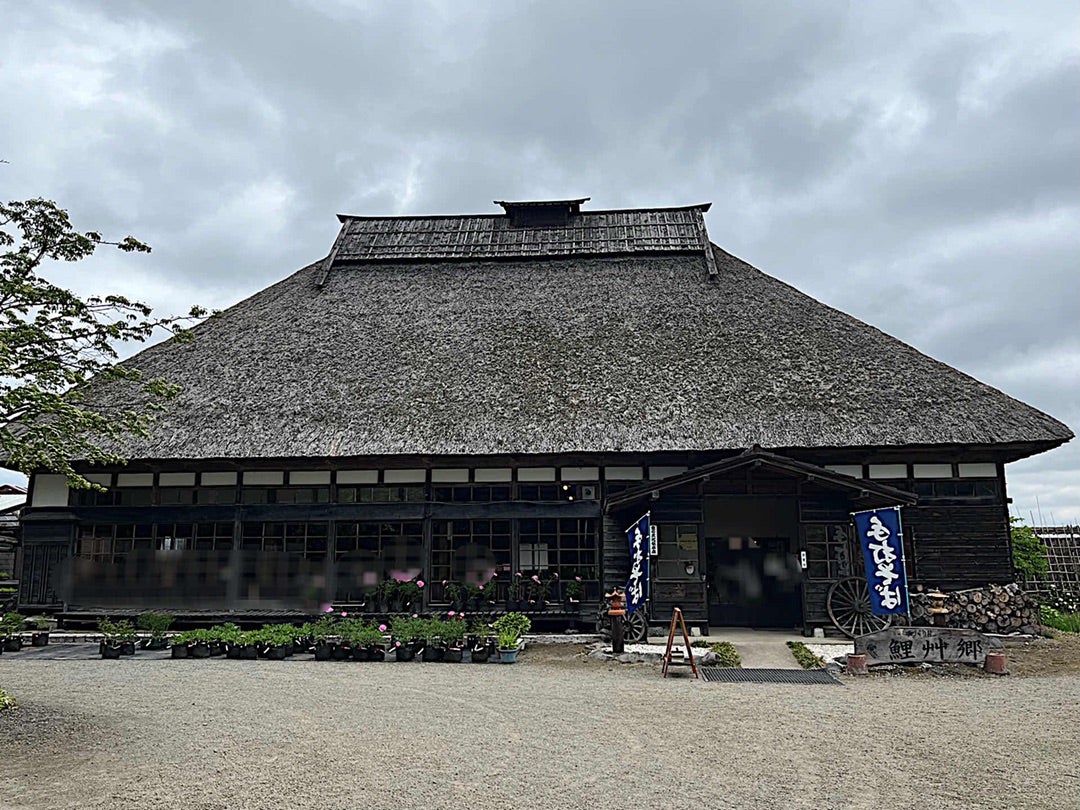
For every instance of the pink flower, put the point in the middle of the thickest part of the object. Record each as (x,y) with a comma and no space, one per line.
(382,628)
(397,643)
(555,575)
(481,587)
(326,608)
(416,615)
(419,583)
(444,582)
(451,614)
(578,579)
(518,574)
(535,578)
(344,614)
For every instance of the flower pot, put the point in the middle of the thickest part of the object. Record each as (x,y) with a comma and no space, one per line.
(360,654)
(200,649)
(404,653)
(341,652)
(508,656)
(480,655)
(180,651)
(376,652)
(216,648)
(247,652)
(13,643)
(432,653)
(40,639)
(278,652)
(157,643)
(127,647)
(110,651)
(324,651)
(452,655)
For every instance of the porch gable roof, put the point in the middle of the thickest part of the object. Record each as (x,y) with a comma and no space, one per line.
(756,457)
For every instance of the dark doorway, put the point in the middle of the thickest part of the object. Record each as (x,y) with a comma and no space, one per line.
(754,582)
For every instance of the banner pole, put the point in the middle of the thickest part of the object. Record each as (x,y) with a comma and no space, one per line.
(903,559)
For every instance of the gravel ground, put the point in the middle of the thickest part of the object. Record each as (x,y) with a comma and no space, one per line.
(552,731)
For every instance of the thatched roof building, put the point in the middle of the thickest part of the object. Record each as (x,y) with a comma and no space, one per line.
(463,398)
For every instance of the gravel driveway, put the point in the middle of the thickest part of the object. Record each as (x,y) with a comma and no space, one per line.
(550,732)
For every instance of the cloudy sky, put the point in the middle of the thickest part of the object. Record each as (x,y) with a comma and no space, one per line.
(914,164)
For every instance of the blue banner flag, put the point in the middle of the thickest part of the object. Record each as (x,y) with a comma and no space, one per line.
(637,587)
(882,542)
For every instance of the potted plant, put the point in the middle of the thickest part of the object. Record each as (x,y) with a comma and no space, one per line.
(452,633)
(431,634)
(39,627)
(515,592)
(382,595)
(456,594)
(10,626)
(574,591)
(510,627)
(407,634)
(537,592)
(118,638)
(180,643)
(157,624)
(376,642)
(408,595)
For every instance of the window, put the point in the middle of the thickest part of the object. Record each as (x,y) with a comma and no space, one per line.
(468,551)
(108,542)
(563,546)
(831,551)
(383,494)
(957,488)
(367,553)
(475,493)
(284,495)
(677,551)
(307,540)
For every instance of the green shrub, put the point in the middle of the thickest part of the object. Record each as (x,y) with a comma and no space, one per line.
(1066,622)
(116,632)
(157,624)
(806,659)
(726,654)
(1029,556)
(515,624)
(7,700)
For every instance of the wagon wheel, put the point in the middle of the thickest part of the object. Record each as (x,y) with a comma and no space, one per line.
(635,626)
(848,604)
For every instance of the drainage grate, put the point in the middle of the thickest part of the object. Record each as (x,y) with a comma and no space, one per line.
(793,676)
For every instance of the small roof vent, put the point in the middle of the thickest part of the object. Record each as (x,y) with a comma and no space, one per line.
(541,213)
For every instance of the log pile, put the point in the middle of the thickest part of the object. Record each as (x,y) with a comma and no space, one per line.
(993,609)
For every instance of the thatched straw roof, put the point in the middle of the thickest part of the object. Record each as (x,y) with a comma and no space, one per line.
(555,354)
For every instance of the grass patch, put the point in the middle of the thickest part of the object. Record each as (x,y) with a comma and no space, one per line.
(806,659)
(7,700)
(726,655)
(1066,622)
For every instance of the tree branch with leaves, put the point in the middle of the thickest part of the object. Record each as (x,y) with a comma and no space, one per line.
(54,342)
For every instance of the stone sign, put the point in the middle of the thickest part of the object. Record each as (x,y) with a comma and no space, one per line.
(915,645)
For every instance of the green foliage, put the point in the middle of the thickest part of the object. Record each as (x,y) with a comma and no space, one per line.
(574,589)
(1029,556)
(52,342)
(157,624)
(11,624)
(407,629)
(726,654)
(806,659)
(512,626)
(1066,622)
(116,632)
(508,640)
(7,700)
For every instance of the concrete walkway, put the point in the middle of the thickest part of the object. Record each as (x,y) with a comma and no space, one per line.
(759,649)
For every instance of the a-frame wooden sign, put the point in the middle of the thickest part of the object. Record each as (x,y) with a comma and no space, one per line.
(677,621)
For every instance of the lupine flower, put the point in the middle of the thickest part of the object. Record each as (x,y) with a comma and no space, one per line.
(518,574)
(444,582)
(382,628)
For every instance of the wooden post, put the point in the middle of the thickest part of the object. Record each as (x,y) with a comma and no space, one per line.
(616,612)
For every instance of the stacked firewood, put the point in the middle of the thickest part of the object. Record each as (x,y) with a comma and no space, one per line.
(993,609)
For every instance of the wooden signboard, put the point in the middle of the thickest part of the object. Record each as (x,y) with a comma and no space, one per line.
(916,645)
